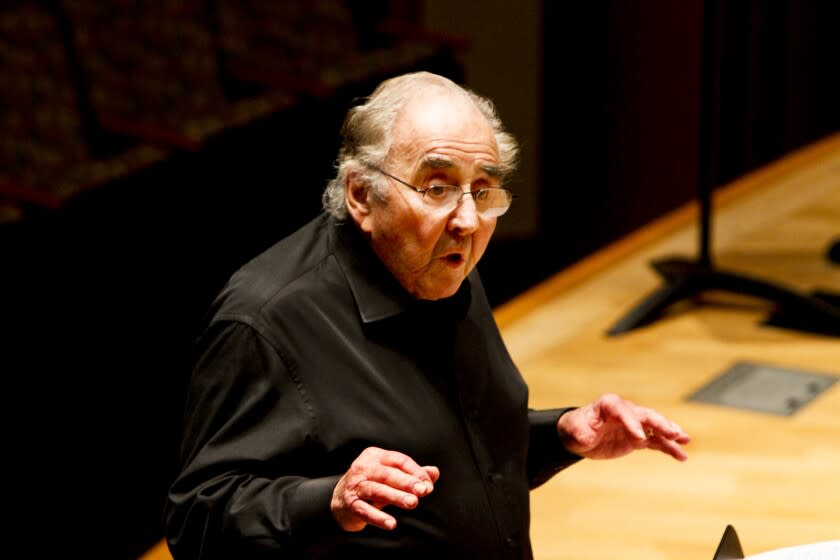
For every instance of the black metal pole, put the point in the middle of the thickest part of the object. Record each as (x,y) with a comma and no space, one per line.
(709,123)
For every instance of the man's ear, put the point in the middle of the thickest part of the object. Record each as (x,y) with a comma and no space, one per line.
(356,196)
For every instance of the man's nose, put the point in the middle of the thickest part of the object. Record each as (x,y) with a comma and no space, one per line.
(465,215)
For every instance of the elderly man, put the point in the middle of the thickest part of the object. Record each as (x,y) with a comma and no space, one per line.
(352,394)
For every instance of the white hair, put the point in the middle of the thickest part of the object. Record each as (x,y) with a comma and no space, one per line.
(366,134)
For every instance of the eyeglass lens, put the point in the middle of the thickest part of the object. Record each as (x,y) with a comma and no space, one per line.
(489,202)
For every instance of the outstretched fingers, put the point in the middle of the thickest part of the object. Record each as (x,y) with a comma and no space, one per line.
(668,446)
(612,427)
(665,435)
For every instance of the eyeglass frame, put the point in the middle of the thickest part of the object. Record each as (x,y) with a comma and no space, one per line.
(424,191)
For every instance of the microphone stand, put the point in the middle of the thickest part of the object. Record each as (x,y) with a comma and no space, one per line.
(685,278)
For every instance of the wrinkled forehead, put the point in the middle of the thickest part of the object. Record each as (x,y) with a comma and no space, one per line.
(443,119)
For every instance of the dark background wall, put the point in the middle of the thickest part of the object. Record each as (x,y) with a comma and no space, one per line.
(620,111)
(103,292)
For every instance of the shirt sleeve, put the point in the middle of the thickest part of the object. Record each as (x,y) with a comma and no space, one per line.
(547,455)
(247,430)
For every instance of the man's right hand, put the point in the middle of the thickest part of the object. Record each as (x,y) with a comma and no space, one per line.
(379,478)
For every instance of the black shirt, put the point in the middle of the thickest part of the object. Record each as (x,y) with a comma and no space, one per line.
(314,352)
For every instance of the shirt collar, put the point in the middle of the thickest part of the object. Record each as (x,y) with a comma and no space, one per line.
(377,293)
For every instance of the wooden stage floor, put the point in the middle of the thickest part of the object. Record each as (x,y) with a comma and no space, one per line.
(775,478)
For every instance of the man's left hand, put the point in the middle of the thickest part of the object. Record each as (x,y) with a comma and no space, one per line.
(612,427)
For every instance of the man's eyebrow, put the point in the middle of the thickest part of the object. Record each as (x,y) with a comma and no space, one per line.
(493,171)
(436,163)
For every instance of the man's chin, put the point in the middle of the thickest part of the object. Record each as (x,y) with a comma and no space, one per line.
(440,289)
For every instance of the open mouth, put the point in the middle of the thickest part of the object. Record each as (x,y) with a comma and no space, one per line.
(454,258)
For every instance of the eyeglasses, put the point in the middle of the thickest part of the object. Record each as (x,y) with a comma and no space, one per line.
(490,202)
